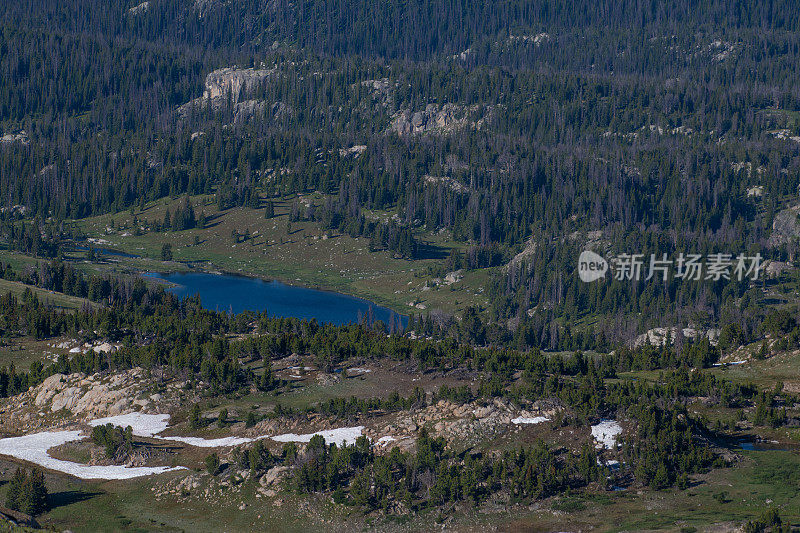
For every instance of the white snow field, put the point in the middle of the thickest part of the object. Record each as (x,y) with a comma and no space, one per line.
(33,448)
(151,425)
(606,433)
(528,420)
(200,442)
(338,436)
(142,425)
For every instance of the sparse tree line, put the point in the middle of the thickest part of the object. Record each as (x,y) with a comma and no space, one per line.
(666,443)
(665,448)
(158,329)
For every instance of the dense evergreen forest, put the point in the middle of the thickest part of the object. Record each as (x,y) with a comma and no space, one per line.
(637,127)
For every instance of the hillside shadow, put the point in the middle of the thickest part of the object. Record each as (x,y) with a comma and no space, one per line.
(69,497)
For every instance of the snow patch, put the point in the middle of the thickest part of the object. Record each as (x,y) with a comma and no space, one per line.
(34,447)
(529,420)
(337,436)
(213,443)
(151,425)
(142,425)
(606,433)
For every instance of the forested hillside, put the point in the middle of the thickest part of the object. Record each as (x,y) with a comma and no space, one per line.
(635,127)
(462,265)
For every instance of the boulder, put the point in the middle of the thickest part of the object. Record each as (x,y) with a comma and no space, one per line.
(65,399)
(273,475)
(48,388)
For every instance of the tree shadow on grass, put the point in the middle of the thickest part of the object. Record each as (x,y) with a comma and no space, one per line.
(426,250)
(68,497)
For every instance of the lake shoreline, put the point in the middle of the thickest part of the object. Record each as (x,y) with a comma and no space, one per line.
(116,255)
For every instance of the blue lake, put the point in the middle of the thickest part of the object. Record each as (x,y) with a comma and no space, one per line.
(223,292)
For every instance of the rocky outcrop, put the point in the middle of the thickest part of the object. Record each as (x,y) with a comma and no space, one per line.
(20,137)
(434,118)
(454,277)
(90,396)
(87,397)
(231,84)
(785,226)
(461,424)
(382,91)
(242,111)
(222,82)
(774,269)
(138,9)
(446,181)
(659,336)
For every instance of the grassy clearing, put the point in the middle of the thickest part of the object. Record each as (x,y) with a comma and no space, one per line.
(783,367)
(303,254)
(23,351)
(56,299)
(131,506)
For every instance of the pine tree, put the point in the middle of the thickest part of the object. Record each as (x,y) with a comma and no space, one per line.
(267,382)
(34,494)
(194,417)
(360,489)
(212,464)
(15,489)
(166,252)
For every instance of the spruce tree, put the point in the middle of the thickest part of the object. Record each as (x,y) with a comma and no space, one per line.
(15,489)
(34,494)
(212,464)
(194,417)
(267,382)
